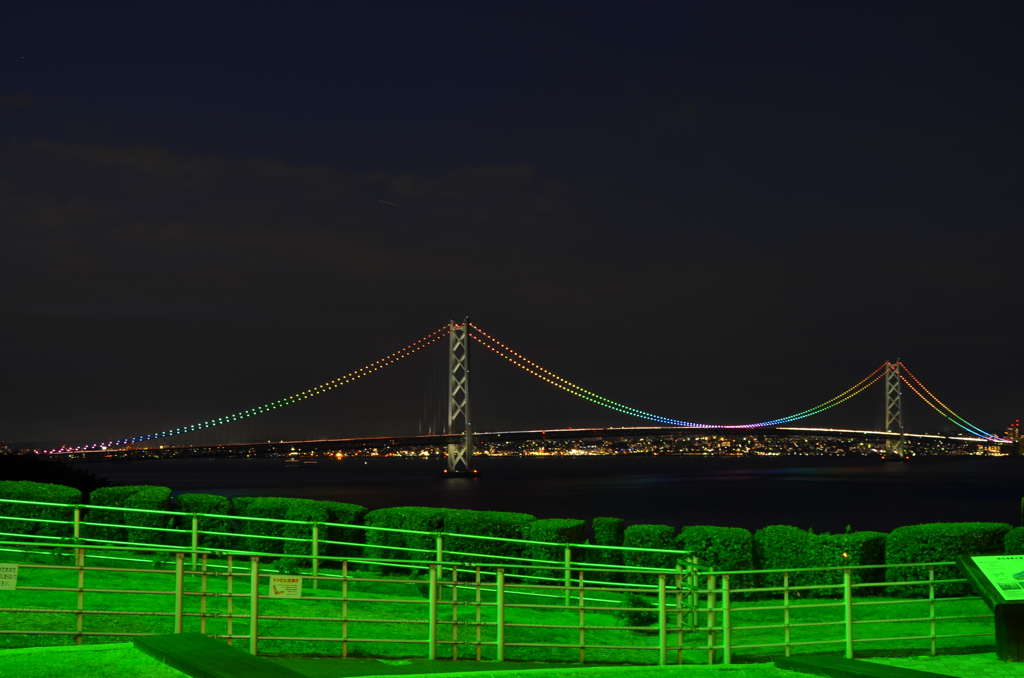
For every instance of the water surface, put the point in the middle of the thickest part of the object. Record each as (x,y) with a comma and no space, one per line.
(823,494)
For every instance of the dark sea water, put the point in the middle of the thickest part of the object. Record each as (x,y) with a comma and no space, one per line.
(809,492)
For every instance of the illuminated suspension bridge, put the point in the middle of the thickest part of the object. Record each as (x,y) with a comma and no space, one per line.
(461,334)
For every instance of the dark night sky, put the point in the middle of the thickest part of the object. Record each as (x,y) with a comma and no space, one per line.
(717,211)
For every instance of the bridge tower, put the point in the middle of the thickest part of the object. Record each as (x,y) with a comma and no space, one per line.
(458,401)
(893,411)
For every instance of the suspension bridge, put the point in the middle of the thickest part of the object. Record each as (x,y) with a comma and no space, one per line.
(460,436)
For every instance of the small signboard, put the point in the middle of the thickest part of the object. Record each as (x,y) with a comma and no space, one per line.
(285,586)
(8,576)
(1005,573)
(998,579)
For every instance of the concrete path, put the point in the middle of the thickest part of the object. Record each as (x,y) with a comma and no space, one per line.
(958,665)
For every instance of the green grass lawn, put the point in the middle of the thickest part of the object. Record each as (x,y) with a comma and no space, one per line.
(95,661)
(122,659)
(328,669)
(387,617)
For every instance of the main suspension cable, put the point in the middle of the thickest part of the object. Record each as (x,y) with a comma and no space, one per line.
(274,404)
(517,359)
(943,409)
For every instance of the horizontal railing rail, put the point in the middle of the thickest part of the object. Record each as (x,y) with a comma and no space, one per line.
(474,610)
(194,537)
(368,528)
(498,590)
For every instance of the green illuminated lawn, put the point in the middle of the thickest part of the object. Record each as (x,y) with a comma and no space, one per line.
(327,669)
(118,660)
(97,661)
(406,620)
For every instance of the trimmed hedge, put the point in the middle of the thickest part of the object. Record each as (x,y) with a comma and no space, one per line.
(239,505)
(501,524)
(854,548)
(344,514)
(782,547)
(48,469)
(1013,542)
(607,532)
(937,542)
(27,490)
(152,498)
(648,537)
(205,503)
(558,531)
(307,511)
(389,545)
(114,497)
(381,544)
(266,536)
(721,548)
(774,547)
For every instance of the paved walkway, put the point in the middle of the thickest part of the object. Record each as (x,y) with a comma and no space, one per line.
(958,665)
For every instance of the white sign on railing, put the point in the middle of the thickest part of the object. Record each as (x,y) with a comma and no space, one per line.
(285,586)
(8,576)
(1006,573)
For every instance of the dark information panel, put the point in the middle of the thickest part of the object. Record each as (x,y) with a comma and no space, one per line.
(999,580)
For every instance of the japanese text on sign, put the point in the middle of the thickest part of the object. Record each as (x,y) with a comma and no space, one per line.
(287,586)
(8,576)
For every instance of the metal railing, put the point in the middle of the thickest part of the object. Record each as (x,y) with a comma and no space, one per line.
(842,597)
(236,584)
(196,539)
(473,610)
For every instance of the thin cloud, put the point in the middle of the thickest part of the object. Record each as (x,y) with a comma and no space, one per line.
(20,100)
(146,159)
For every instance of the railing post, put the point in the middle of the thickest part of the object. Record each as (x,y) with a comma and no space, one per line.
(501,614)
(726,622)
(711,618)
(785,608)
(455,613)
(439,548)
(662,623)
(179,590)
(583,618)
(254,604)
(693,581)
(679,611)
(432,623)
(79,551)
(479,630)
(316,555)
(195,537)
(78,522)
(568,573)
(344,608)
(80,616)
(931,604)
(231,600)
(202,599)
(848,611)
